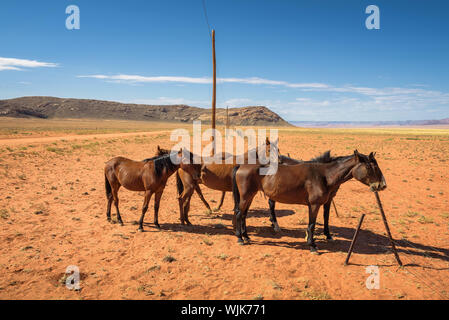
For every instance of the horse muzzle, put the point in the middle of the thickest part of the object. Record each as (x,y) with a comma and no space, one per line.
(378,186)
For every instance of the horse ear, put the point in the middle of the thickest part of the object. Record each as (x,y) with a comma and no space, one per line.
(371,155)
(267,141)
(358,156)
(158,148)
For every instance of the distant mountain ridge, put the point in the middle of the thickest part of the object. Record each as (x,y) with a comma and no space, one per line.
(340,124)
(51,107)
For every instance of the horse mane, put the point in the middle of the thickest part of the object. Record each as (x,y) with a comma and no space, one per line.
(161,162)
(323,158)
(151,159)
(327,158)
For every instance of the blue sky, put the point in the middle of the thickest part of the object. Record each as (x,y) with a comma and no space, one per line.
(306,60)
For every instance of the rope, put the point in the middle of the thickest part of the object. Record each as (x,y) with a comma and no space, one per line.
(207,19)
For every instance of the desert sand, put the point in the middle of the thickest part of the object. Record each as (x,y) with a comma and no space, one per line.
(53,215)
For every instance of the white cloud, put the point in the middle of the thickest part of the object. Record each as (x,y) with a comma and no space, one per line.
(307,86)
(343,101)
(237,102)
(202,80)
(135,78)
(20,64)
(347,106)
(232,103)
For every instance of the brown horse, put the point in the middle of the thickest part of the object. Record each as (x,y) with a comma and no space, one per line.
(185,183)
(184,179)
(310,183)
(284,160)
(149,175)
(179,185)
(214,176)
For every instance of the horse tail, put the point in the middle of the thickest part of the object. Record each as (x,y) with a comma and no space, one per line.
(179,184)
(108,187)
(235,189)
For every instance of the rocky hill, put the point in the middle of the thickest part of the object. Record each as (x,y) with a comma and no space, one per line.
(50,107)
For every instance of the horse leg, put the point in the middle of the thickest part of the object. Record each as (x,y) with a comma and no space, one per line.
(221,201)
(200,194)
(313,212)
(157,201)
(108,211)
(244,230)
(109,196)
(181,210)
(185,198)
(116,202)
(186,210)
(244,207)
(146,201)
(274,222)
(238,226)
(327,207)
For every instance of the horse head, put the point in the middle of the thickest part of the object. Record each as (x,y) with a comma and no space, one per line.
(368,172)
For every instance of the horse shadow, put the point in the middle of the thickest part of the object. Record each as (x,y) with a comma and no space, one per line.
(368,242)
(211,229)
(260,213)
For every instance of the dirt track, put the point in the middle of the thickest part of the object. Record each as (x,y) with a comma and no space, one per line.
(52,207)
(40,140)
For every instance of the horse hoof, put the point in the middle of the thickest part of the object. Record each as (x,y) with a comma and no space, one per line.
(216,210)
(314,251)
(240,242)
(277,229)
(121,223)
(329,238)
(157,225)
(247,241)
(140,230)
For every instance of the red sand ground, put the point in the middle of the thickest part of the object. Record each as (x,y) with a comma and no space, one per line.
(52,206)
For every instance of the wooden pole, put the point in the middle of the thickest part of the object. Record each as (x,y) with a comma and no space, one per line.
(214,92)
(356,234)
(384,218)
(335,208)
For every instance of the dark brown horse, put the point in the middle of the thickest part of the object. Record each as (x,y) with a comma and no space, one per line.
(149,175)
(310,183)
(284,160)
(223,181)
(180,187)
(214,176)
(187,184)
